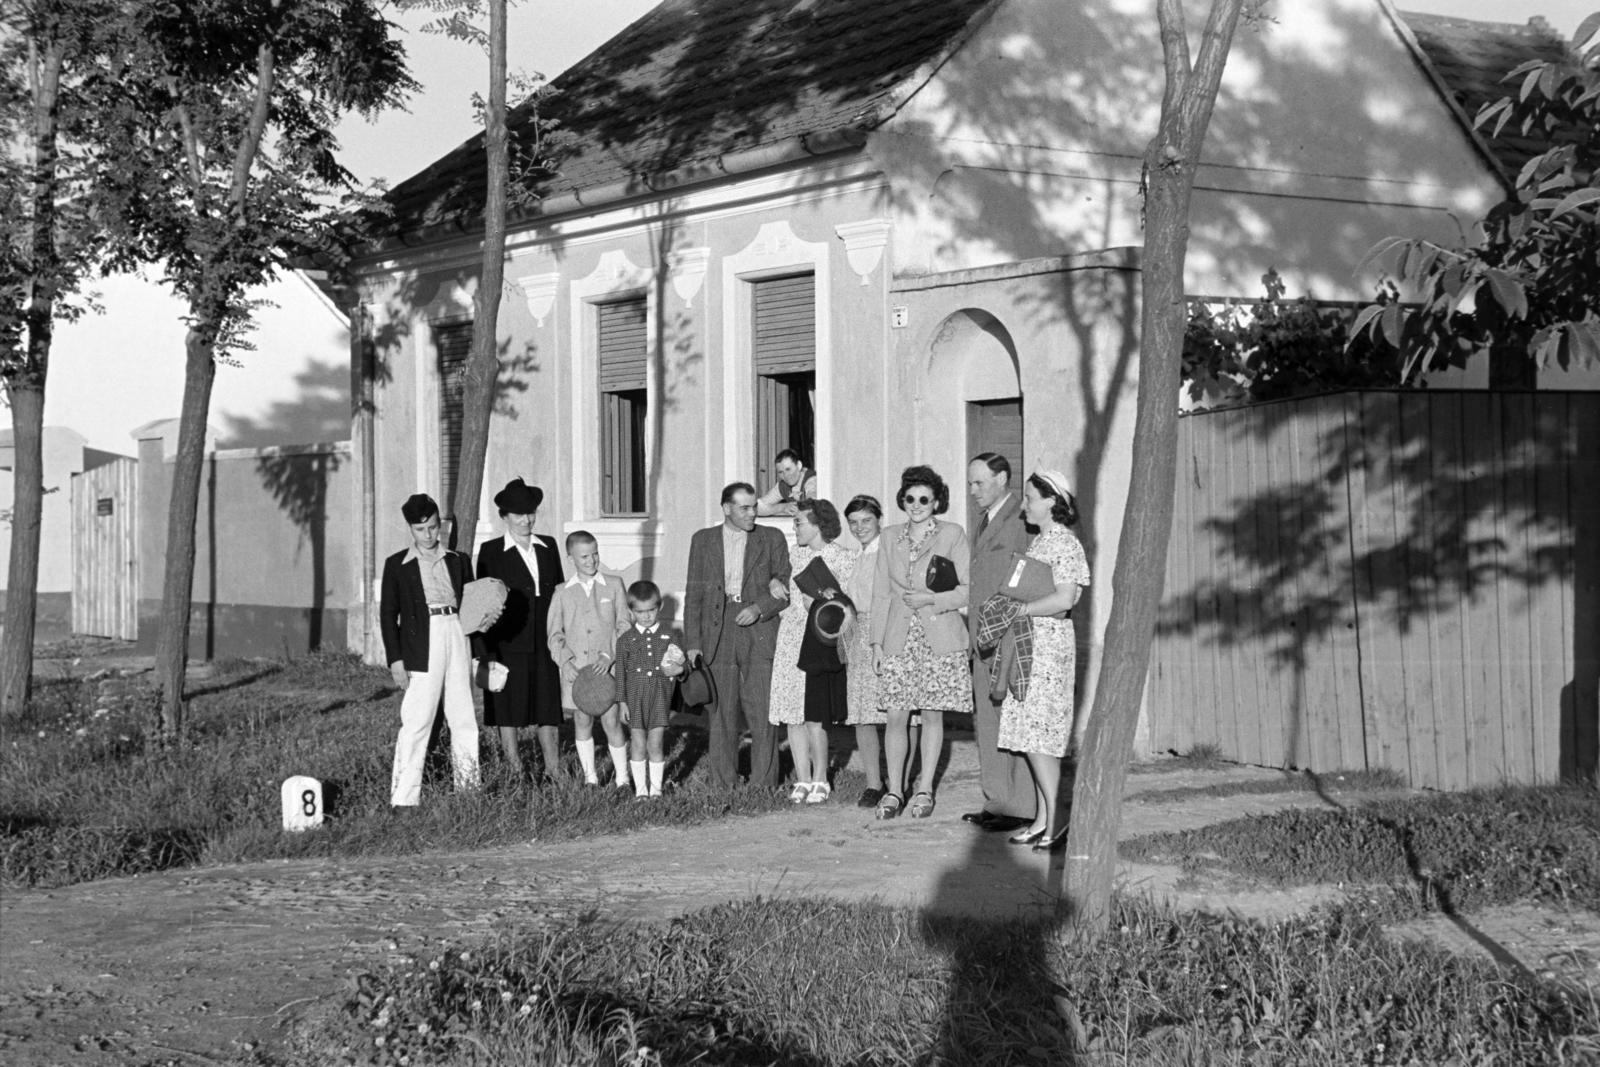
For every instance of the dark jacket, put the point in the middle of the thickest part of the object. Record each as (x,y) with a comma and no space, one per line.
(520,630)
(991,555)
(766,556)
(403,608)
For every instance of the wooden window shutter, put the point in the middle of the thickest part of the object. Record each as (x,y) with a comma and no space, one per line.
(454,344)
(623,345)
(786,325)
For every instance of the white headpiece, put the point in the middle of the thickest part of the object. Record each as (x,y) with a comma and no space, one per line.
(1056,481)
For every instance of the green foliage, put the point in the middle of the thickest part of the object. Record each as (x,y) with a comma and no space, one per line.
(815,982)
(1531,285)
(1461,850)
(223,135)
(1275,348)
(91,792)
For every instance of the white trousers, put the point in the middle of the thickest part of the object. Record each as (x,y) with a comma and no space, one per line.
(449,673)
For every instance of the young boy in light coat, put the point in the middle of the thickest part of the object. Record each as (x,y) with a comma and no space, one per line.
(587,613)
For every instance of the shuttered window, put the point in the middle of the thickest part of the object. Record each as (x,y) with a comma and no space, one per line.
(623,351)
(453,342)
(786,325)
(785,354)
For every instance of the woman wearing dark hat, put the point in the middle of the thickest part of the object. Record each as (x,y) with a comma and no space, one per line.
(531,568)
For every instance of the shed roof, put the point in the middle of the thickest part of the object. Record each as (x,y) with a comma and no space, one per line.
(1471,60)
(694,80)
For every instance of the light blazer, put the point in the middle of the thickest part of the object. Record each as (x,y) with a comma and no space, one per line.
(582,629)
(941,621)
(766,556)
(403,606)
(991,556)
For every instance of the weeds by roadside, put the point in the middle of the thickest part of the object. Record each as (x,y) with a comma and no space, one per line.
(1335,783)
(1450,851)
(91,792)
(819,983)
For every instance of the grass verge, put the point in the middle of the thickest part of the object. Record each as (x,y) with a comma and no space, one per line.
(1336,783)
(1449,851)
(811,983)
(90,792)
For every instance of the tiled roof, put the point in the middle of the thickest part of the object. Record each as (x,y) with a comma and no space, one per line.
(693,80)
(1471,59)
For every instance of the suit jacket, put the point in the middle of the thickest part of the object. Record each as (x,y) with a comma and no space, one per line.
(941,621)
(403,607)
(766,556)
(991,556)
(582,627)
(520,630)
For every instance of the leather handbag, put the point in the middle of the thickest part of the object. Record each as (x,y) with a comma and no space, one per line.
(489,675)
(941,576)
(696,687)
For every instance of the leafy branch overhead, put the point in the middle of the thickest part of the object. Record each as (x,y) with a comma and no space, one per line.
(1530,287)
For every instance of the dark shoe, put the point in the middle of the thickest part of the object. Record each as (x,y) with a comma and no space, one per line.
(977,818)
(1054,844)
(869,798)
(1002,824)
(1027,837)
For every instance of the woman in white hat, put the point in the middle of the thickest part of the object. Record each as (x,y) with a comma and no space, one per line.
(1040,726)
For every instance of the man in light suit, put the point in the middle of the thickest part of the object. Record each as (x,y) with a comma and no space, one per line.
(998,531)
(730,618)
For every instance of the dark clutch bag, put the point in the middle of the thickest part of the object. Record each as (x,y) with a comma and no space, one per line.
(816,577)
(941,576)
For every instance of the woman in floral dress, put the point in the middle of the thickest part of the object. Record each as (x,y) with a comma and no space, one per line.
(1040,726)
(816,533)
(919,639)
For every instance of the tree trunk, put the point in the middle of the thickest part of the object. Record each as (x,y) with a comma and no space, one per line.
(25,388)
(1169,169)
(172,648)
(482,372)
(16,652)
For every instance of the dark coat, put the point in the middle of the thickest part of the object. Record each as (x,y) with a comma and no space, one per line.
(766,556)
(519,635)
(403,607)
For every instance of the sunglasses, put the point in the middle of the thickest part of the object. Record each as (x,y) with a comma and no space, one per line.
(918,499)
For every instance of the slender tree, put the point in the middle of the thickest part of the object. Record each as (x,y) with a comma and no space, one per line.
(48,56)
(228,170)
(1170,163)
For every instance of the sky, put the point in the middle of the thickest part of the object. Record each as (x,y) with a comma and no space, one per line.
(111,373)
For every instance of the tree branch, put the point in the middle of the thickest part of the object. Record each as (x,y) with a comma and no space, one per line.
(191,151)
(245,158)
(1216,41)
(1174,52)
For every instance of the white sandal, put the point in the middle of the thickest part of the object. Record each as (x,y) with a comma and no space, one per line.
(800,793)
(820,791)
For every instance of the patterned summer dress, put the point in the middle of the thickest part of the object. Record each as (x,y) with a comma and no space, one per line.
(918,678)
(787,704)
(865,697)
(1043,722)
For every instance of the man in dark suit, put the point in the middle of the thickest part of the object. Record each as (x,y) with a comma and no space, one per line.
(730,617)
(427,651)
(1008,794)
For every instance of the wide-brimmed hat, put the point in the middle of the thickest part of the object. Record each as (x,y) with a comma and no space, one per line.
(594,691)
(831,619)
(519,498)
(696,686)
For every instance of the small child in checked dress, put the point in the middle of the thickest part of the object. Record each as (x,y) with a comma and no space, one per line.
(648,664)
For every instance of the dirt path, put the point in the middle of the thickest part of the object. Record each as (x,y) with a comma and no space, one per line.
(200,965)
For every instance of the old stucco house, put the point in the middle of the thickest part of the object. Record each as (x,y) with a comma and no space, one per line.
(881,232)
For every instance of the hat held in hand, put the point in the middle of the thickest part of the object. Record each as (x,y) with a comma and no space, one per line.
(482,602)
(594,690)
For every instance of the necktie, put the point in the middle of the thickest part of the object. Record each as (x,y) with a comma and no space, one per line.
(983,523)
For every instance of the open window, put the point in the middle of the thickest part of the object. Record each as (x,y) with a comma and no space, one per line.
(624,405)
(785,353)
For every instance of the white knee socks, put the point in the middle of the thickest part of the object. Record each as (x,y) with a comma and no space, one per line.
(640,786)
(658,776)
(586,759)
(619,760)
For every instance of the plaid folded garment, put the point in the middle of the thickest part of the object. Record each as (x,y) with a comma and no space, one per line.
(997,617)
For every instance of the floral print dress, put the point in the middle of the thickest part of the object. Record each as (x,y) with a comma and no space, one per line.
(787,703)
(918,678)
(1042,722)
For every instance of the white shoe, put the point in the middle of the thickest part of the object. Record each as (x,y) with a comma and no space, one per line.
(800,793)
(819,793)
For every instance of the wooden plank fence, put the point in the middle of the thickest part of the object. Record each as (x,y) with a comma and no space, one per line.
(105,550)
(1404,580)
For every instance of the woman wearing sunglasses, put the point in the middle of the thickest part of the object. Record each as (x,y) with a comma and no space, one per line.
(919,640)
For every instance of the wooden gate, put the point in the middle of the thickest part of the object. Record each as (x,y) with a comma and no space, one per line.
(105,551)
